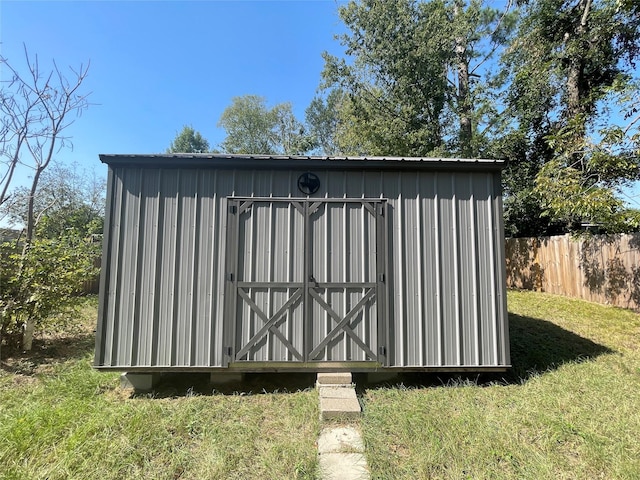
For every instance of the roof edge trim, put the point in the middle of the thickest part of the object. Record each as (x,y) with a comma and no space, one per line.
(226,161)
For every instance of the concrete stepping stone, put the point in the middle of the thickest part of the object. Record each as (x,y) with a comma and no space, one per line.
(343,439)
(340,448)
(337,396)
(334,378)
(339,403)
(341,454)
(343,466)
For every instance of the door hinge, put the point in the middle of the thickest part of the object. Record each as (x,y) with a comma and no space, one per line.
(381,277)
(382,350)
(380,209)
(228,351)
(233,209)
(230,277)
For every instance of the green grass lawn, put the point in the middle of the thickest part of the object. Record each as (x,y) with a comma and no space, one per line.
(570,408)
(60,419)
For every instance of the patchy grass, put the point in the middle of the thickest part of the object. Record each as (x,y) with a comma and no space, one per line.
(569,409)
(68,336)
(60,419)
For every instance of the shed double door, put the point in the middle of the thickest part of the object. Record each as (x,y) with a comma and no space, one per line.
(305,280)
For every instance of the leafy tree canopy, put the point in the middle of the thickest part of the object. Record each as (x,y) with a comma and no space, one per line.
(322,117)
(189,141)
(571,82)
(415,79)
(68,198)
(254,128)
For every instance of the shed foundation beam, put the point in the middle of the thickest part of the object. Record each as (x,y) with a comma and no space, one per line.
(139,382)
(224,378)
(382,377)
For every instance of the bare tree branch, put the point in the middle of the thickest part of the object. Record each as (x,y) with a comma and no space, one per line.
(37,108)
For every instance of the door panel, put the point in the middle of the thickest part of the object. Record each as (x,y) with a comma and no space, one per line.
(343,286)
(306,279)
(268,287)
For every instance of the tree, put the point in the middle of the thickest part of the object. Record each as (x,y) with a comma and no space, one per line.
(189,141)
(68,197)
(37,108)
(567,62)
(253,128)
(395,90)
(480,33)
(523,212)
(322,116)
(44,280)
(412,85)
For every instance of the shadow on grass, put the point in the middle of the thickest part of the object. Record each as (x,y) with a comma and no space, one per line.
(537,346)
(186,384)
(47,350)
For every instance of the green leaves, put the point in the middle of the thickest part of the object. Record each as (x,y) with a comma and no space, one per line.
(43,281)
(417,77)
(570,85)
(394,83)
(189,141)
(253,128)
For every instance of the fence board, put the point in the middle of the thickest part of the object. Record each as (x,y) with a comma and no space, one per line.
(600,268)
(92,285)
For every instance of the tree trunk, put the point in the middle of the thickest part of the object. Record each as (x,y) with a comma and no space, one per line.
(464,104)
(575,74)
(575,79)
(30,324)
(466,131)
(27,337)
(30,207)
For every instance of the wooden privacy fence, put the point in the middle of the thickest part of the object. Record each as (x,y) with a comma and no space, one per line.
(601,268)
(93,285)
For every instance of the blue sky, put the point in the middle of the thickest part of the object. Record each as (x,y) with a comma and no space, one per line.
(157,66)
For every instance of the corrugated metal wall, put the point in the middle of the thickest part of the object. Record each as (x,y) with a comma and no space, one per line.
(163,286)
(344,252)
(306,286)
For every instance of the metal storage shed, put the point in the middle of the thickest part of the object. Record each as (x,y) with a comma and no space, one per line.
(271,263)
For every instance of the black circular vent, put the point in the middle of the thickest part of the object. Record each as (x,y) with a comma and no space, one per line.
(308,183)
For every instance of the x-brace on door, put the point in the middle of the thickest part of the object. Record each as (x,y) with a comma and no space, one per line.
(306,280)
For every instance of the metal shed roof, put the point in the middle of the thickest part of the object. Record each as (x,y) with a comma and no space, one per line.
(209,160)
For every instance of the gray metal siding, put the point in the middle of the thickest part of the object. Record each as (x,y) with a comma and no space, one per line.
(301,268)
(344,251)
(163,288)
(270,249)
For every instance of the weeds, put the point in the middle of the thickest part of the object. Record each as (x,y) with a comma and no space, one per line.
(569,409)
(63,420)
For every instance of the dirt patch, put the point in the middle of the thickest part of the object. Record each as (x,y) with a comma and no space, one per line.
(49,349)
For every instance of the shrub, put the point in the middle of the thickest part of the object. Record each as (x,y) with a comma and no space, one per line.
(41,281)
